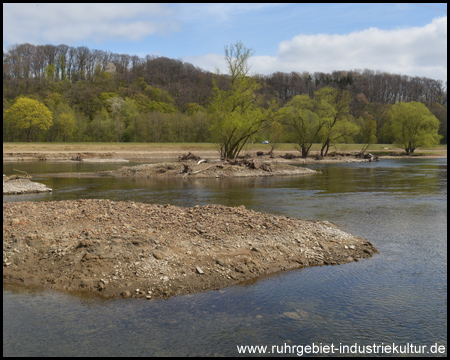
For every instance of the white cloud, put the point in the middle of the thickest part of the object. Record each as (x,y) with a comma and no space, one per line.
(66,23)
(209,62)
(414,51)
(418,51)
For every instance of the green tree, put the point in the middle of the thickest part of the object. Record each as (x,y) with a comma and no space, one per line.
(334,111)
(413,126)
(162,107)
(440,111)
(52,100)
(102,127)
(128,112)
(158,95)
(64,122)
(192,108)
(199,119)
(30,116)
(275,133)
(49,72)
(367,132)
(237,113)
(303,123)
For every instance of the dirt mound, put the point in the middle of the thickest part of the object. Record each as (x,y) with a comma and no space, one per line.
(135,249)
(15,184)
(244,168)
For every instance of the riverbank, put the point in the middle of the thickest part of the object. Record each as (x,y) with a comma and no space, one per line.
(123,152)
(157,251)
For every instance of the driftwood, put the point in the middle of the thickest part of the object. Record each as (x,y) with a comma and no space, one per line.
(15,177)
(247,163)
(251,164)
(289,156)
(198,171)
(186,169)
(371,157)
(188,156)
(265,167)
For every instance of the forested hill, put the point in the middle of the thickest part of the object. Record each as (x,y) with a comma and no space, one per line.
(84,81)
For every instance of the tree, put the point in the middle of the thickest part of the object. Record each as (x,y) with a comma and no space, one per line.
(129,112)
(64,122)
(304,124)
(367,132)
(29,115)
(413,125)
(275,133)
(116,104)
(334,111)
(102,128)
(237,113)
(440,111)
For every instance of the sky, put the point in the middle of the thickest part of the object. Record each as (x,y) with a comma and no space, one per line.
(406,39)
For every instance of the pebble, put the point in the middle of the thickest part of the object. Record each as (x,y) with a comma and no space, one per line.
(126,294)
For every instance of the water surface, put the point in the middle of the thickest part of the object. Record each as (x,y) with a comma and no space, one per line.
(398,296)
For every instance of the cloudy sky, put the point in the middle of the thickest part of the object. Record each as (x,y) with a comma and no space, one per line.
(409,39)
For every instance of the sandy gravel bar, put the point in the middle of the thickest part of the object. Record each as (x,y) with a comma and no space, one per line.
(22,186)
(157,251)
(191,169)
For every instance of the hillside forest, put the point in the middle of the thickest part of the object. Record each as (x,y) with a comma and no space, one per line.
(62,93)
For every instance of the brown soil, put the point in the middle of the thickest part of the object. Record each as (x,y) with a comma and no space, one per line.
(156,251)
(216,169)
(160,154)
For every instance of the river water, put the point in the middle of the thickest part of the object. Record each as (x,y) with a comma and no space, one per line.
(397,298)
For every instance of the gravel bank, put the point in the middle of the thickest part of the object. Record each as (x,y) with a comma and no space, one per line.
(157,251)
(214,169)
(13,186)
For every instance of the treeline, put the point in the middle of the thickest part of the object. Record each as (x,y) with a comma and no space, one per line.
(97,95)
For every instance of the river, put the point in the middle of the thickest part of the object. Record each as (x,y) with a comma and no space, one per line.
(398,297)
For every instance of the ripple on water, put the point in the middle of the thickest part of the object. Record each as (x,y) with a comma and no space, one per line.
(399,295)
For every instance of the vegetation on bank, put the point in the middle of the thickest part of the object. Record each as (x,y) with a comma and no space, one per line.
(63,94)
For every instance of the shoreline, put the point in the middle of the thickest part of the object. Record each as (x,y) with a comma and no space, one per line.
(122,156)
(130,249)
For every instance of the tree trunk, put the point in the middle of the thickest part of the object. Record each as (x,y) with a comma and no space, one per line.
(304,152)
(328,148)
(325,145)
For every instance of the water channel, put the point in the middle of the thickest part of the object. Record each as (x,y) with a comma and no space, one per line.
(397,297)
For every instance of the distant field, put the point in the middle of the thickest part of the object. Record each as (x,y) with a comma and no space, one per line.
(18,147)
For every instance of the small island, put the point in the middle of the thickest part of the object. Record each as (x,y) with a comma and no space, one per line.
(132,249)
(14,185)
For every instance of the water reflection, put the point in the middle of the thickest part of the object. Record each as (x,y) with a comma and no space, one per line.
(397,296)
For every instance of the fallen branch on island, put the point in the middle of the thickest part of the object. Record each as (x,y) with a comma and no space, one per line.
(198,171)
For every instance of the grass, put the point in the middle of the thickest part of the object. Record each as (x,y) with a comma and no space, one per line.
(379,149)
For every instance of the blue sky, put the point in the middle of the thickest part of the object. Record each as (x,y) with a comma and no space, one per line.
(403,38)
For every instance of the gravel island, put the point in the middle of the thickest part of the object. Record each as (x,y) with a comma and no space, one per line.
(133,249)
(14,185)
